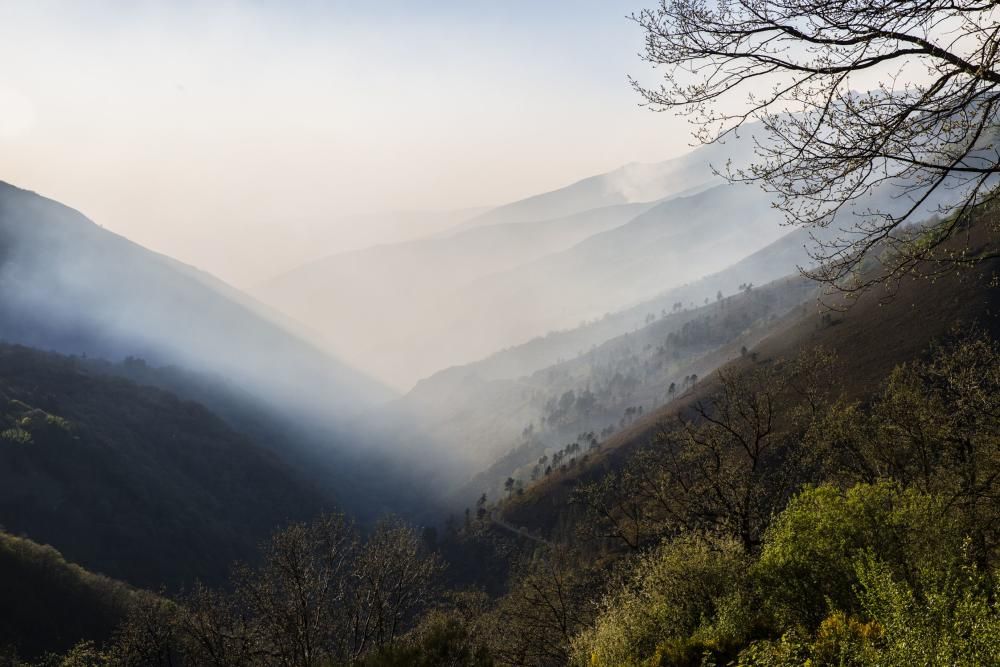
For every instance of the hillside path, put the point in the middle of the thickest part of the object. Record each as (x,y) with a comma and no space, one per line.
(523,532)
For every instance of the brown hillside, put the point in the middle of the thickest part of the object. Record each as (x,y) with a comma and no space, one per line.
(870,337)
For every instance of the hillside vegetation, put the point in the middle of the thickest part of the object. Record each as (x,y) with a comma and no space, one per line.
(738,408)
(783,524)
(132,481)
(869,336)
(581,402)
(777,260)
(50,604)
(826,497)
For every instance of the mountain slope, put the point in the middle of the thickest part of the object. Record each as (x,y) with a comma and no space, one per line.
(777,259)
(132,481)
(420,307)
(51,604)
(411,301)
(69,285)
(370,303)
(463,422)
(634,182)
(870,338)
(623,379)
(676,242)
(668,245)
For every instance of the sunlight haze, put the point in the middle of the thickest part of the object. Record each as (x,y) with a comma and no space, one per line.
(499,333)
(247,138)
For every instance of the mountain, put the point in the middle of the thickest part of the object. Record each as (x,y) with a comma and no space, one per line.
(310,239)
(531,400)
(661,248)
(468,423)
(631,183)
(775,260)
(392,291)
(424,305)
(132,481)
(190,421)
(69,285)
(870,336)
(551,262)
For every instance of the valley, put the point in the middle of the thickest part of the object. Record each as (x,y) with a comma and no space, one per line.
(334,335)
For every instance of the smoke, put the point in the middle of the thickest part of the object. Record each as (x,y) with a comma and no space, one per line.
(69,285)
(504,280)
(403,311)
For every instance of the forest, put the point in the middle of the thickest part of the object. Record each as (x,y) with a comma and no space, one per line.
(784,524)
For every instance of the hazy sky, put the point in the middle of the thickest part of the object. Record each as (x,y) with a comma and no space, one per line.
(237,136)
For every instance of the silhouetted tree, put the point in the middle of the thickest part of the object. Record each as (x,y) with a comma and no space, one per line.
(392,579)
(550,602)
(824,144)
(299,596)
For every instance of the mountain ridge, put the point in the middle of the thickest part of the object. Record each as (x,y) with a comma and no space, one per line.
(69,284)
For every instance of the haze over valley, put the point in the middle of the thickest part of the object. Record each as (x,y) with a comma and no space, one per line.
(335,335)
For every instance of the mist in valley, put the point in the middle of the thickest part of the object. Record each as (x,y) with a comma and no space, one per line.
(333,334)
(401,344)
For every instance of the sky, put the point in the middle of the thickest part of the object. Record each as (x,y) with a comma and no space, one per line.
(248,137)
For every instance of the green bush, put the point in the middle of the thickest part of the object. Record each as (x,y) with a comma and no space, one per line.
(873,575)
(15,436)
(667,609)
(807,569)
(950,617)
(441,639)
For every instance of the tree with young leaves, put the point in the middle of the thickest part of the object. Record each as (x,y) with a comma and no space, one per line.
(726,467)
(298,596)
(319,596)
(393,577)
(551,600)
(853,100)
(935,427)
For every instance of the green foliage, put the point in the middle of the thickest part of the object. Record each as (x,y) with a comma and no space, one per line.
(57,422)
(84,654)
(681,599)
(934,427)
(24,424)
(950,616)
(807,568)
(778,526)
(441,639)
(891,572)
(15,436)
(889,563)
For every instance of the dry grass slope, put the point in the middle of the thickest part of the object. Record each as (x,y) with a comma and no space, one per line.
(870,336)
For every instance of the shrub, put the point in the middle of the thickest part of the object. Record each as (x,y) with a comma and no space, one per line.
(807,565)
(666,609)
